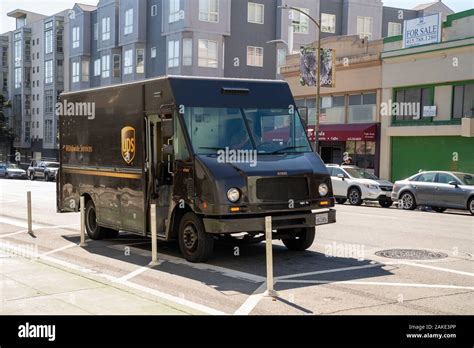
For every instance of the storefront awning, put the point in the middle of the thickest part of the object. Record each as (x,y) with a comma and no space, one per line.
(345,132)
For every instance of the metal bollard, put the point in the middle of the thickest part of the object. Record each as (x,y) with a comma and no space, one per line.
(30,217)
(269,253)
(82,205)
(154,251)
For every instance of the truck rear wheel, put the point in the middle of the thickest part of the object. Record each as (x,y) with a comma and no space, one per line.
(195,244)
(94,231)
(303,240)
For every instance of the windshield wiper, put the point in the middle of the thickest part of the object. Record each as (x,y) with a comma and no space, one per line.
(286,149)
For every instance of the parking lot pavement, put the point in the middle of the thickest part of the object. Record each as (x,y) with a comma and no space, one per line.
(342,273)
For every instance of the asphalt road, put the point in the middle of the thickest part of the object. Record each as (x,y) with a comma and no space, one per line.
(341,274)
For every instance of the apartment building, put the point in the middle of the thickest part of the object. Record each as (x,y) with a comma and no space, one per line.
(34,78)
(128,40)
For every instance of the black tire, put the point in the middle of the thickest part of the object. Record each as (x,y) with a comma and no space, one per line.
(355,196)
(341,200)
(407,201)
(195,243)
(32,176)
(439,209)
(94,231)
(303,240)
(386,203)
(470,205)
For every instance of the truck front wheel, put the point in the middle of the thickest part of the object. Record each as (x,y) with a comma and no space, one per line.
(303,240)
(93,229)
(195,244)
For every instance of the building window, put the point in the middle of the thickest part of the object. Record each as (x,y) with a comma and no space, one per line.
(281,59)
(27,132)
(17,56)
(362,108)
(364,27)
(328,23)
(209,10)
(48,131)
(394,29)
(17,77)
(75,37)
(128,22)
(153,52)
(412,101)
(140,61)
(75,72)
(187,52)
(207,54)
(48,71)
(174,11)
(173,54)
(59,41)
(96,31)
(255,56)
(106,66)
(59,71)
(106,29)
(117,65)
(128,62)
(85,71)
(256,13)
(154,10)
(300,21)
(463,101)
(48,42)
(97,67)
(48,102)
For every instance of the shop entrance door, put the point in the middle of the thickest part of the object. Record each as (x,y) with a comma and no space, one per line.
(332,153)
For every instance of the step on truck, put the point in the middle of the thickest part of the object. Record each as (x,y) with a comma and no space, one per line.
(215,156)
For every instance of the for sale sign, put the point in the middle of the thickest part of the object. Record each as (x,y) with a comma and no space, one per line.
(422,31)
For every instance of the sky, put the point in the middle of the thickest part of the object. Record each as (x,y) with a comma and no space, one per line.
(49,7)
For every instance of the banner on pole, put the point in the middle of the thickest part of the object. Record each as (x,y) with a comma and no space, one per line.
(308,67)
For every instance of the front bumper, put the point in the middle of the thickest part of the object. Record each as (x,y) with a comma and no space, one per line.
(17,176)
(377,195)
(279,222)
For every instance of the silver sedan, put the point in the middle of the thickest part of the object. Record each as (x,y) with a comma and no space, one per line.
(439,190)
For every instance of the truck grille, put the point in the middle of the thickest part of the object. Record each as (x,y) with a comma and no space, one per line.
(282,189)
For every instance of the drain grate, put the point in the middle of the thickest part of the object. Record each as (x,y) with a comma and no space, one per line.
(411,254)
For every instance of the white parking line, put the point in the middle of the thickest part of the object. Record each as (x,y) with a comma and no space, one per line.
(38,228)
(435,268)
(135,273)
(252,301)
(17,223)
(58,250)
(413,285)
(354,268)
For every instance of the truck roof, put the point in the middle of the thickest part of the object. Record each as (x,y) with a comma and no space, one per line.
(176,77)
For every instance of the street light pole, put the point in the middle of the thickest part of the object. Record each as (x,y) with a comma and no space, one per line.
(318,74)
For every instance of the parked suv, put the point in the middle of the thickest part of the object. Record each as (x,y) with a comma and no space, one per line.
(11,171)
(356,185)
(42,169)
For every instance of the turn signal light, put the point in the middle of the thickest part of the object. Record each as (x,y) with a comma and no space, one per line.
(324,203)
(234,209)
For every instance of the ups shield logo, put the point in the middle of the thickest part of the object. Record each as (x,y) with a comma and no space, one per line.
(128,144)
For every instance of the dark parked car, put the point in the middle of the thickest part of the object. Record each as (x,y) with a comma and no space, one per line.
(439,190)
(12,171)
(45,170)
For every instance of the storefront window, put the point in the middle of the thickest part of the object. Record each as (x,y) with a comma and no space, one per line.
(362,108)
(363,154)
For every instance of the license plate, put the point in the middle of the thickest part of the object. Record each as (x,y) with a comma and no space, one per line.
(322,219)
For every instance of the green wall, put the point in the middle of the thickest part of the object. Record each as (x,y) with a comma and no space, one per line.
(412,154)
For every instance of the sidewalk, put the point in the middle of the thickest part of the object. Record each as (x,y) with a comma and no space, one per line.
(30,287)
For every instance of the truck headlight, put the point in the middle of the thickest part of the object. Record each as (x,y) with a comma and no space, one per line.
(323,190)
(233,195)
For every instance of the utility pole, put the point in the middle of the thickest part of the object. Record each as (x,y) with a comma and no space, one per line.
(318,74)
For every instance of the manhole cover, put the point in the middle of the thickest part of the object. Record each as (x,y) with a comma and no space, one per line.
(410,254)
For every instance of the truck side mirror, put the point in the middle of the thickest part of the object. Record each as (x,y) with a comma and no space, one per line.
(167,128)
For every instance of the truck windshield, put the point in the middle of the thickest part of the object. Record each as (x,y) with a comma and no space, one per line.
(268,131)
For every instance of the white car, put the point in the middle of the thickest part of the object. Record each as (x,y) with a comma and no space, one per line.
(356,185)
